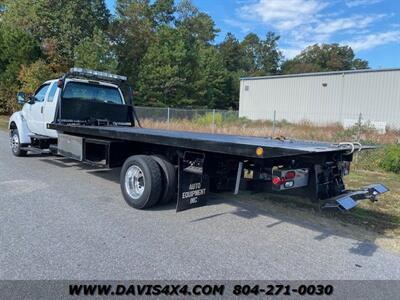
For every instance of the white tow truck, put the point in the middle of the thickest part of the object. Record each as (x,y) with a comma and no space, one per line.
(89,116)
(28,127)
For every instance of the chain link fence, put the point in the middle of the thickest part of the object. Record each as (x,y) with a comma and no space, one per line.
(211,118)
(166,114)
(354,127)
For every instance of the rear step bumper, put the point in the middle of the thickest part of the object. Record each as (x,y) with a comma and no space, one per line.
(349,199)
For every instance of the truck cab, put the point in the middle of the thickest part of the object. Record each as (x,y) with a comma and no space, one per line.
(30,125)
(40,109)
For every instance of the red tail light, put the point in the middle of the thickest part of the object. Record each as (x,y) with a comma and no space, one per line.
(290,175)
(276,180)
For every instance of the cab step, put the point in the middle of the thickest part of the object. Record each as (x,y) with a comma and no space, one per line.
(39,137)
(35,150)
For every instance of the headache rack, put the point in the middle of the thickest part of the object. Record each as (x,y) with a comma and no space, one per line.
(92,112)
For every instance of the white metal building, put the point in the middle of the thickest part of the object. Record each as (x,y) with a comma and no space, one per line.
(324,97)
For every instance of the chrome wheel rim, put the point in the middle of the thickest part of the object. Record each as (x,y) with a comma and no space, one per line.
(134,182)
(14,142)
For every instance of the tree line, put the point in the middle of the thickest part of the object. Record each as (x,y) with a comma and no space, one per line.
(167,50)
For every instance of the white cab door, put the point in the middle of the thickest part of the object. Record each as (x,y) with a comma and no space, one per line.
(35,110)
(49,109)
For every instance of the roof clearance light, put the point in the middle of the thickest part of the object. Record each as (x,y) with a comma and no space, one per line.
(82,72)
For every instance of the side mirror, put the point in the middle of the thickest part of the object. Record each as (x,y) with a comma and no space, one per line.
(31,99)
(60,83)
(21,98)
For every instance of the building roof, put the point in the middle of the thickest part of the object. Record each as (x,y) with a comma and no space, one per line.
(321,74)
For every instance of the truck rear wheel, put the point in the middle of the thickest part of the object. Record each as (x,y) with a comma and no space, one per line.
(141,181)
(169,179)
(15,143)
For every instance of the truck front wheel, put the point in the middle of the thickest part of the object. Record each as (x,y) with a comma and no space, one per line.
(141,181)
(15,143)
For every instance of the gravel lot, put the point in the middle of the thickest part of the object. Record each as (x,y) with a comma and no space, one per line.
(63,220)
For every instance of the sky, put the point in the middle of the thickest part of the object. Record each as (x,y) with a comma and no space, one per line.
(370,27)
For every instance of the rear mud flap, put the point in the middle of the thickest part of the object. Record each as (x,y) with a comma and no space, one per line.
(192,181)
(350,199)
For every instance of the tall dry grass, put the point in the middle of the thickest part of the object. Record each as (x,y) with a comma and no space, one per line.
(303,130)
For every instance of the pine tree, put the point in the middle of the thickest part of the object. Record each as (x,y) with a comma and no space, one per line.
(96,53)
(270,56)
(251,46)
(232,53)
(163,75)
(211,79)
(132,33)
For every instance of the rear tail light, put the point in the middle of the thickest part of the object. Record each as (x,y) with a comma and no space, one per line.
(290,175)
(289,178)
(276,180)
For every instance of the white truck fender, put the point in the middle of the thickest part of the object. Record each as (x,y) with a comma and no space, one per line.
(18,121)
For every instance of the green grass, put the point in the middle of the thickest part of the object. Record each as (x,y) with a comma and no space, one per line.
(382,216)
(3,122)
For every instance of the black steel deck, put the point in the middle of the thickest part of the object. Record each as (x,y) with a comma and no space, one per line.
(243,146)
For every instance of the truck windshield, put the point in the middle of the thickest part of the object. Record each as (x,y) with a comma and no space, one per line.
(90,91)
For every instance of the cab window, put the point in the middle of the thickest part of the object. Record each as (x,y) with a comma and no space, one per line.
(52,92)
(94,92)
(41,93)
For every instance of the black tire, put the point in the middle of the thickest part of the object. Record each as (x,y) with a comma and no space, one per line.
(152,185)
(169,180)
(15,144)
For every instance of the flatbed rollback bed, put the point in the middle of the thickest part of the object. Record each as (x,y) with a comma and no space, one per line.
(159,166)
(222,160)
